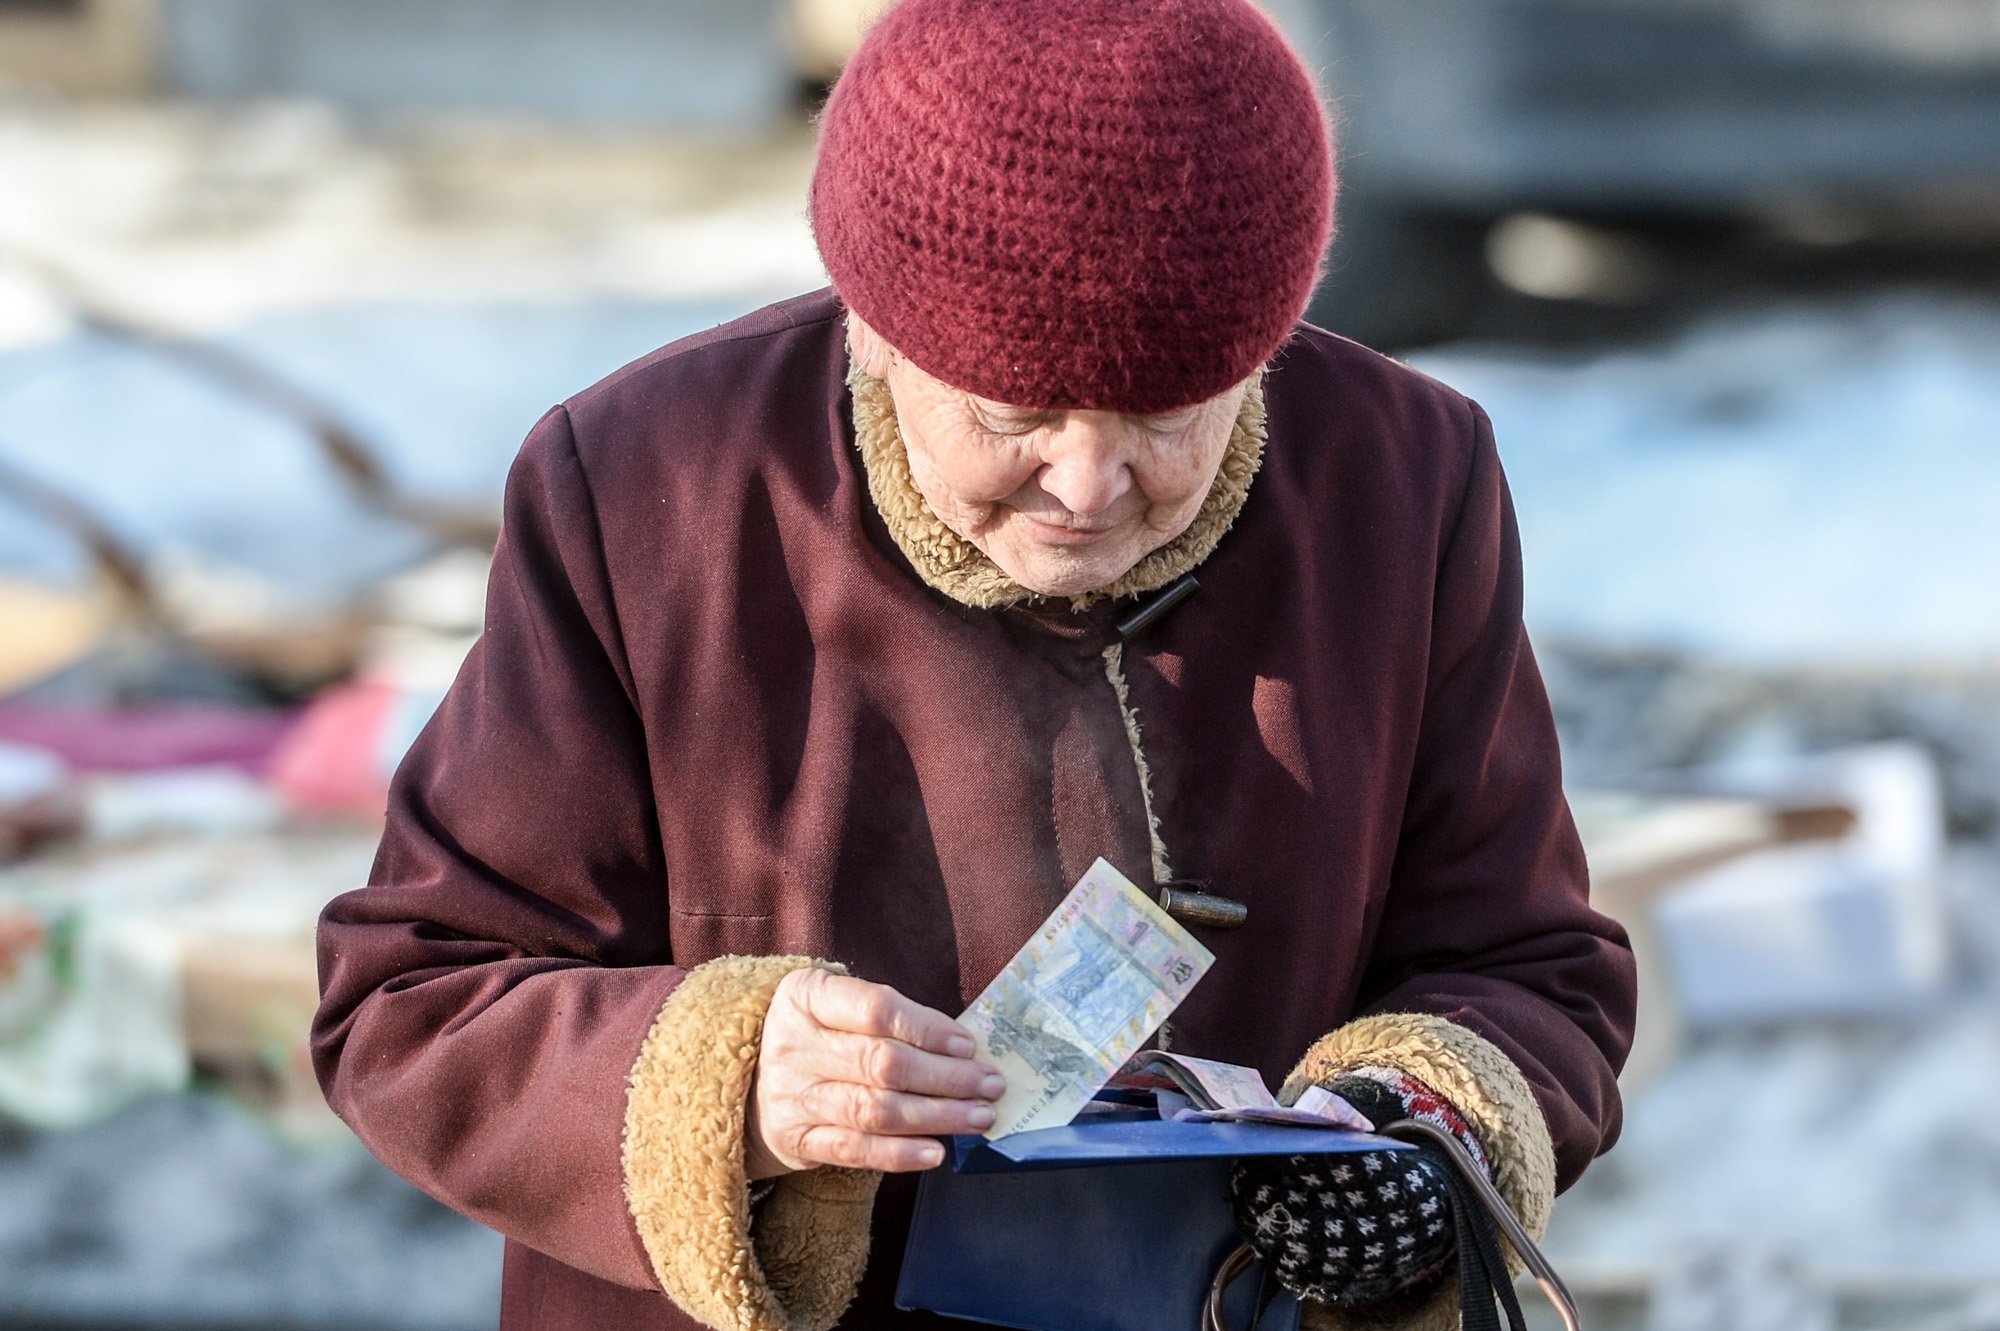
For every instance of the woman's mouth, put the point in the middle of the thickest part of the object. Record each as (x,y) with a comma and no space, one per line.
(1058,533)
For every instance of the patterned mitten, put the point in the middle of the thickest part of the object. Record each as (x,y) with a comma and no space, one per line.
(1349,1230)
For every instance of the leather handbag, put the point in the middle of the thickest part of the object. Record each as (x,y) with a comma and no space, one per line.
(1119,1222)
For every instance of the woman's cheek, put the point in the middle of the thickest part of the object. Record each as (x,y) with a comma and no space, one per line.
(974,475)
(956,503)
(1182,483)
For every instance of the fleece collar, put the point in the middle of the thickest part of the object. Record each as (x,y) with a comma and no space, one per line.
(953,565)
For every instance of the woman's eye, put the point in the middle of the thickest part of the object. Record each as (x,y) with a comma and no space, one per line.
(1012,424)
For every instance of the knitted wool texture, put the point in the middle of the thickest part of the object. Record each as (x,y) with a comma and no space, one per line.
(1355,1230)
(1107,204)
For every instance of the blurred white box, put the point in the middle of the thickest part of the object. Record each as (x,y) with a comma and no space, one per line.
(1851,926)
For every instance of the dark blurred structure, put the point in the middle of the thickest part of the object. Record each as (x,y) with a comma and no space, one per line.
(1827,122)
(685,63)
(1584,154)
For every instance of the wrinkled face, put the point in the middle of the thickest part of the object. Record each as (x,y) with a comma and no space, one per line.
(1065,502)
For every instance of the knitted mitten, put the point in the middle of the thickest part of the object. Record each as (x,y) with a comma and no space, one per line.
(1348,1230)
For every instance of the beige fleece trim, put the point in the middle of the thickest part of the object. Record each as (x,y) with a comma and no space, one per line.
(1114,670)
(953,565)
(684,1179)
(1482,1082)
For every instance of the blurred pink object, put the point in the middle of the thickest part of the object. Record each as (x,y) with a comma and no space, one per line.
(144,739)
(345,747)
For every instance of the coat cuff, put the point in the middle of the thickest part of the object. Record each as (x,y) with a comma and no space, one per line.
(684,1179)
(1484,1085)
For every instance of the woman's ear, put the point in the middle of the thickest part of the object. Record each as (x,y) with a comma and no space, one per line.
(870,352)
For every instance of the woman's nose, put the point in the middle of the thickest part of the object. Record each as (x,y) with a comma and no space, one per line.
(1084,467)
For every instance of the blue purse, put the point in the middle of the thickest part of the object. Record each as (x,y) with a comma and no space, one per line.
(1119,1222)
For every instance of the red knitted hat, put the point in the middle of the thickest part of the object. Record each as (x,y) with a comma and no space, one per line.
(1111,204)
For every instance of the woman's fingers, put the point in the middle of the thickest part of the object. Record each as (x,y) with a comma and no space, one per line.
(843,1003)
(853,1073)
(893,1113)
(827,1144)
(891,1065)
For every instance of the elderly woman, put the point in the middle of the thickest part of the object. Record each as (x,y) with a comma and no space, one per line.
(825,650)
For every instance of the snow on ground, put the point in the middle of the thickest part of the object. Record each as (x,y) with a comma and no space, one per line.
(1863,1154)
(173,461)
(436,284)
(1809,485)
(189,1212)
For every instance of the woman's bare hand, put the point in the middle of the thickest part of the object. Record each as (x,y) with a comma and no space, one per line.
(852,1073)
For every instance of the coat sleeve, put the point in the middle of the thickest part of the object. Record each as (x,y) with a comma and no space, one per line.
(1491,979)
(500,1019)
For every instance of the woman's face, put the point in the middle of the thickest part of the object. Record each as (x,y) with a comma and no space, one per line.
(1064,502)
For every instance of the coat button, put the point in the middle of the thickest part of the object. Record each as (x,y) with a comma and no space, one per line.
(1189,904)
(1151,612)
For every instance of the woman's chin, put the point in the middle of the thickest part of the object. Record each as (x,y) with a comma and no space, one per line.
(1063,573)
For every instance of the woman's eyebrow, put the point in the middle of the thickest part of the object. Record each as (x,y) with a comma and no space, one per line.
(1002,413)
(1166,420)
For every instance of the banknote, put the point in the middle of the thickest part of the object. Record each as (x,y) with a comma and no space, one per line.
(1317,1108)
(1209,1084)
(1201,1090)
(1080,997)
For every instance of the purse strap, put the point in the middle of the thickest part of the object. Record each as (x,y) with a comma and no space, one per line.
(1479,1287)
(1482,1267)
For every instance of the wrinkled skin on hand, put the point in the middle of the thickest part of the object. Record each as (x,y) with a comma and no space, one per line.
(854,1074)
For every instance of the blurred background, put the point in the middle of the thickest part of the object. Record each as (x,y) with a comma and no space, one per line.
(283,284)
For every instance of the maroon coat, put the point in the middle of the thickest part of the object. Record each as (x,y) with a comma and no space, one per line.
(716,712)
